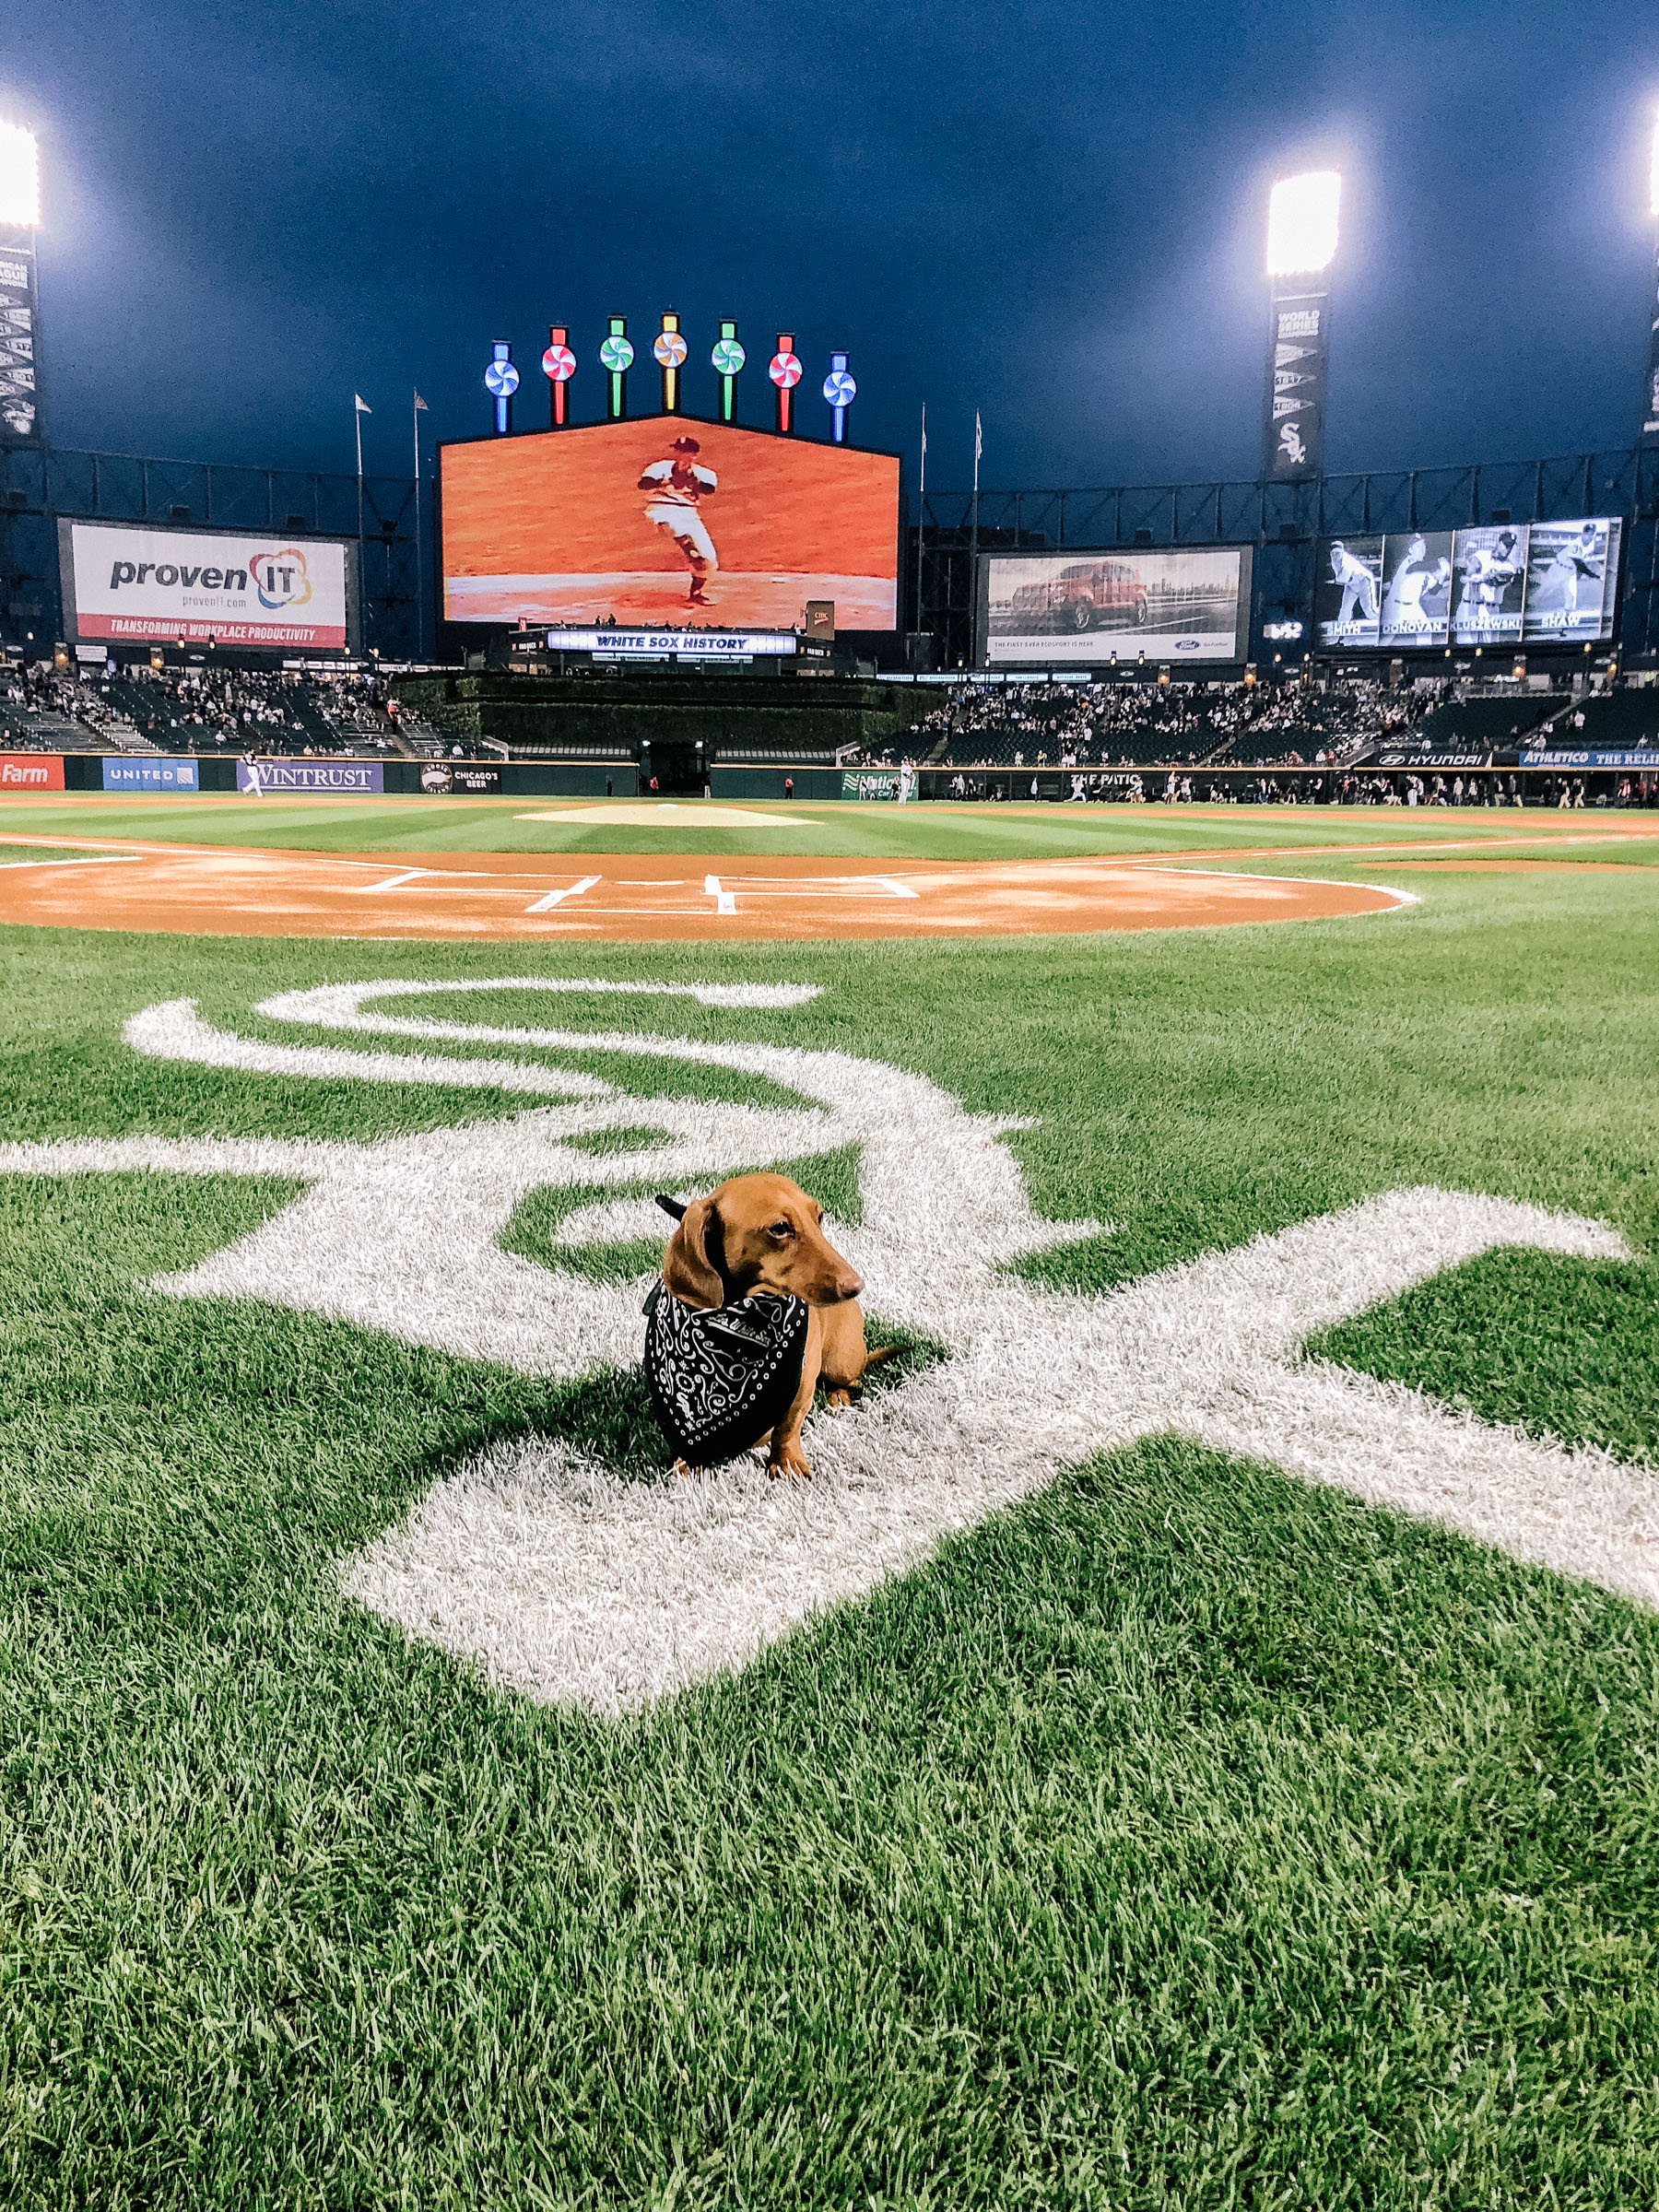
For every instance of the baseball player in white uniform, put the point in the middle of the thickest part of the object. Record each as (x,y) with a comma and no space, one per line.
(1403,607)
(1358,585)
(676,486)
(1486,572)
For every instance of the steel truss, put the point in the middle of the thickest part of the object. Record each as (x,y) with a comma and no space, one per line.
(1283,522)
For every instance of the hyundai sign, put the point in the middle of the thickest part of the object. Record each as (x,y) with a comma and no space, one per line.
(124,580)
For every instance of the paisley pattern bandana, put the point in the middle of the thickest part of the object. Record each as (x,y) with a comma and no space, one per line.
(721,1378)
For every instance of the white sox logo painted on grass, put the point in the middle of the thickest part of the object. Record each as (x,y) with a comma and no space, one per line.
(568,1583)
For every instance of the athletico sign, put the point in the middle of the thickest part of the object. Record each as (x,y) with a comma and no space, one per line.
(1646,758)
(124,581)
(329,778)
(30,771)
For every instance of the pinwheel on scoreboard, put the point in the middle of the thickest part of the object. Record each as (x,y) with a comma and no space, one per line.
(786,373)
(616,358)
(669,353)
(726,360)
(839,390)
(558,366)
(501,380)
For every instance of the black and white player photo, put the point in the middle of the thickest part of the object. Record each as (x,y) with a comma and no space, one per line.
(1417,603)
(1349,599)
(1489,570)
(1566,580)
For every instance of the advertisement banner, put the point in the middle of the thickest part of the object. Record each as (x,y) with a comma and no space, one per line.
(31,771)
(1348,596)
(326,779)
(124,774)
(690,644)
(1406,758)
(1298,349)
(1644,758)
(870,783)
(1179,605)
(664,521)
(1571,583)
(19,317)
(443,778)
(124,579)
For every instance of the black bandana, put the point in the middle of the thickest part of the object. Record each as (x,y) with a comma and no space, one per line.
(719,1379)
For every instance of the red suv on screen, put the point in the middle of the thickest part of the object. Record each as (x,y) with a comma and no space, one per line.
(1090,594)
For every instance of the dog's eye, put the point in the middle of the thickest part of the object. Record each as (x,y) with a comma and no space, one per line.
(781,1230)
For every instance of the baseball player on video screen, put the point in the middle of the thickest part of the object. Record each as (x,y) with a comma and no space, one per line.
(676,486)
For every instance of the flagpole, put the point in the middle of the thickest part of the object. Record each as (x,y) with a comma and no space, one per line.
(360,409)
(921,513)
(973,544)
(419,585)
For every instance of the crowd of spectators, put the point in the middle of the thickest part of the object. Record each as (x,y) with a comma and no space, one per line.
(199,710)
(1127,725)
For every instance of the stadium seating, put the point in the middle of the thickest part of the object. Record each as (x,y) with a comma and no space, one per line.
(1615,720)
(1487,724)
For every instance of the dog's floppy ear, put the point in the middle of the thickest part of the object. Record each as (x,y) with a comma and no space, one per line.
(689,1270)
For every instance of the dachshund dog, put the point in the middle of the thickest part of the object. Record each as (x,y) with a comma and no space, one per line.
(763,1232)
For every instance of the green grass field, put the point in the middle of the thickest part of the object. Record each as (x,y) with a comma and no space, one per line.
(1183,1836)
(935,832)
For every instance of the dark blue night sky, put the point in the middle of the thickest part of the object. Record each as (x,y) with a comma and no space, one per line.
(1053,212)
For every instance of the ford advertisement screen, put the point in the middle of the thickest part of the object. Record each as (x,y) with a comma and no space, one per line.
(1054,609)
(667,521)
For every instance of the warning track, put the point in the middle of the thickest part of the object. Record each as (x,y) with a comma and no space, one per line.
(247,891)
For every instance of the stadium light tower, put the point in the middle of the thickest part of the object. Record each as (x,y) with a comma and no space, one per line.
(1649,412)
(1303,221)
(19,296)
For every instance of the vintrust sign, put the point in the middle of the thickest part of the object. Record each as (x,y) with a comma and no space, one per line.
(125,580)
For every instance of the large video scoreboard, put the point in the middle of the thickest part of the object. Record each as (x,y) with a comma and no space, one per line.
(1502,584)
(667,520)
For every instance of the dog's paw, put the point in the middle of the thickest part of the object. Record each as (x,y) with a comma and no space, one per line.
(789,1461)
(838,1398)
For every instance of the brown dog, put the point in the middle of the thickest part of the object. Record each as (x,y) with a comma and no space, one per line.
(763,1232)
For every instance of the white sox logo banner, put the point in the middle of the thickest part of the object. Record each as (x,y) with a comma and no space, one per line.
(1298,358)
(565,1580)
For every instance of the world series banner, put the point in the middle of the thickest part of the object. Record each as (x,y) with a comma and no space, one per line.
(1298,352)
(20,396)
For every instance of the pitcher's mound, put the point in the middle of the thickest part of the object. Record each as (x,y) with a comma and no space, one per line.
(665,814)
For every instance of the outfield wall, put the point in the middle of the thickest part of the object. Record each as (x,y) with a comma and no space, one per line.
(1533,783)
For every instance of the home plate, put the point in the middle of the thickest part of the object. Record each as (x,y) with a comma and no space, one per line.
(664,814)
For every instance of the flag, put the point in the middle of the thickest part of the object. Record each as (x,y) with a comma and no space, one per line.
(362,405)
(420,405)
(925,429)
(979,441)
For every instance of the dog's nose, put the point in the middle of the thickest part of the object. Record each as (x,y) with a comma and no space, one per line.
(850,1286)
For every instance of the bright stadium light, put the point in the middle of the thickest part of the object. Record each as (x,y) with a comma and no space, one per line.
(1302,223)
(19,177)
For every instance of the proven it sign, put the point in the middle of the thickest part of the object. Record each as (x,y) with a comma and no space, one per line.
(123,580)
